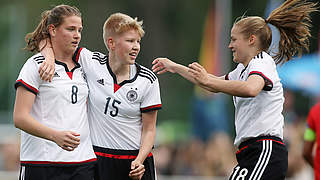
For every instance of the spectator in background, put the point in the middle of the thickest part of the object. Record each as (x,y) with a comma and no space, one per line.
(209,115)
(195,158)
(293,131)
(311,148)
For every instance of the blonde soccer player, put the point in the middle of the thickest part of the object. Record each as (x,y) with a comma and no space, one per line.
(255,86)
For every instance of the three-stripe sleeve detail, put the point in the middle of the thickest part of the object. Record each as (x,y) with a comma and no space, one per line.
(39,59)
(103,59)
(144,72)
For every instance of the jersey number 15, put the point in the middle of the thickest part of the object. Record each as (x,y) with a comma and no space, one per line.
(115,104)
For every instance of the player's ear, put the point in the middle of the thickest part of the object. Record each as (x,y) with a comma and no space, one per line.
(111,43)
(252,39)
(52,30)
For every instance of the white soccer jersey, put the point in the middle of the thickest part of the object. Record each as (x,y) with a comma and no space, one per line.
(60,105)
(115,108)
(260,115)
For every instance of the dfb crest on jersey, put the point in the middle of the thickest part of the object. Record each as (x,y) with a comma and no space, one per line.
(132,95)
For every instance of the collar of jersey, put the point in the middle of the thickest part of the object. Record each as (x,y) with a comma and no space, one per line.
(77,65)
(125,81)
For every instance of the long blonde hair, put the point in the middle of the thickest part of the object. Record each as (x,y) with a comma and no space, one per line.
(293,21)
(54,16)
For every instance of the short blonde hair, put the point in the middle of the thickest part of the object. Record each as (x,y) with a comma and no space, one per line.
(118,23)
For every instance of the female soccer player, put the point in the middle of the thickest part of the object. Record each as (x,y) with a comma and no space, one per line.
(123,101)
(55,138)
(255,86)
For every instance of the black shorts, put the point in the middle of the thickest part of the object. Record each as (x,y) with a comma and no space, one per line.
(116,164)
(261,158)
(74,172)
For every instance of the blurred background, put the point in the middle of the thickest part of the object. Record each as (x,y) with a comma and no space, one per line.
(195,129)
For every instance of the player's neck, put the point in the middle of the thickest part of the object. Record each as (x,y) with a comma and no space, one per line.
(61,54)
(121,71)
(64,57)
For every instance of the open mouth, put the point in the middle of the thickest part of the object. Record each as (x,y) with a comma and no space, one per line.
(75,43)
(133,54)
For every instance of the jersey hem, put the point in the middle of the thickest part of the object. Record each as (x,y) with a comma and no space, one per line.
(56,163)
(117,153)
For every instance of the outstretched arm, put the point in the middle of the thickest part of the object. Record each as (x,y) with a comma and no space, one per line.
(67,140)
(249,88)
(47,67)
(196,74)
(162,65)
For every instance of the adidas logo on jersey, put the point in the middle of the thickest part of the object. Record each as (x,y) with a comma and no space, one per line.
(56,74)
(101,81)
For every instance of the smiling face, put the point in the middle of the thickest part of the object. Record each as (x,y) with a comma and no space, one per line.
(239,45)
(126,46)
(66,37)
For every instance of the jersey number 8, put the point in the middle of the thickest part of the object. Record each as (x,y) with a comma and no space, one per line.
(74,97)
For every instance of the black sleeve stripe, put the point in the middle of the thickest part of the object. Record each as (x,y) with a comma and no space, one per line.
(149,72)
(146,76)
(100,61)
(259,56)
(151,108)
(40,57)
(103,59)
(25,85)
(145,73)
(100,56)
(268,83)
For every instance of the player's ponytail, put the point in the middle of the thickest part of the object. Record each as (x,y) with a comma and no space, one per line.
(41,32)
(293,21)
(54,16)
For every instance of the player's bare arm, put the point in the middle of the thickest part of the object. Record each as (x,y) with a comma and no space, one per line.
(147,141)
(249,88)
(162,65)
(67,140)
